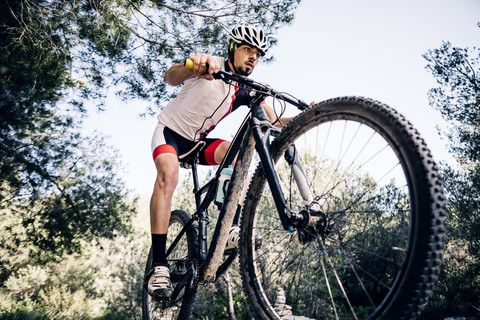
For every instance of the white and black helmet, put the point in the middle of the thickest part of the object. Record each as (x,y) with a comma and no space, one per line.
(248,34)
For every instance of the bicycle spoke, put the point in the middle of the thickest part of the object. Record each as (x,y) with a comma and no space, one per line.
(362,285)
(369,274)
(327,282)
(342,288)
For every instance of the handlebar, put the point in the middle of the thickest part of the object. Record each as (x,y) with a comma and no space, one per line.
(258,87)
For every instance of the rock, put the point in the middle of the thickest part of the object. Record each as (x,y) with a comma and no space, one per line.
(280,301)
(284,314)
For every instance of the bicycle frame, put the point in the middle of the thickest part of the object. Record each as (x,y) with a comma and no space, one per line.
(255,131)
(343,207)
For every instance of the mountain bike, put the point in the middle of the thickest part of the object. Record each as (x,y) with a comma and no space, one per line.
(344,217)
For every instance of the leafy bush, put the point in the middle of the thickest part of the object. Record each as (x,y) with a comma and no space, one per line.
(27,282)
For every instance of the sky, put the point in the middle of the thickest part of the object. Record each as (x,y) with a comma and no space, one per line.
(370,48)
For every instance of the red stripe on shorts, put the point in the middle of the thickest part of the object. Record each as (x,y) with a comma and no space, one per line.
(210,152)
(164,148)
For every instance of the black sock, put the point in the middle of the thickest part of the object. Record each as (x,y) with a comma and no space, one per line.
(237,215)
(159,242)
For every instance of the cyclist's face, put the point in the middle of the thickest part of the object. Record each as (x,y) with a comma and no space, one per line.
(246,58)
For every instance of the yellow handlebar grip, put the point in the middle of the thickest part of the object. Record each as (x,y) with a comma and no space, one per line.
(188,64)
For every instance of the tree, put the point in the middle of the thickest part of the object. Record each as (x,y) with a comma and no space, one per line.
(457,72)
(52,182)
(457,97)
(104,282)
(58,188)
(129,43)
(54,50)
(80,201)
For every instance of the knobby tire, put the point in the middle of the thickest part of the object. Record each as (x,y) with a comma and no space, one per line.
(376,252)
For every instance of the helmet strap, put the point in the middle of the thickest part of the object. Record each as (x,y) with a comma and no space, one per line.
(231,49)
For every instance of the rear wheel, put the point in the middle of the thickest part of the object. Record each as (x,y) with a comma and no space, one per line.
(375,248)
(183,275)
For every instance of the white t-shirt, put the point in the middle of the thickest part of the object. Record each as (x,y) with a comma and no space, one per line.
(200,105)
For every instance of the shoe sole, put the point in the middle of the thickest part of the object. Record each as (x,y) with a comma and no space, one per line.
(160,295)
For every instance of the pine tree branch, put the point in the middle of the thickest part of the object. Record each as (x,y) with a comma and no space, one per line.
(195,13)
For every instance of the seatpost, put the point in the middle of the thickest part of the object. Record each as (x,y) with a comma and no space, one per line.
(202,219)
(196,183)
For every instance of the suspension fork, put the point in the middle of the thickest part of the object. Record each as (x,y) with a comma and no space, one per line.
(288,218)
(312,205)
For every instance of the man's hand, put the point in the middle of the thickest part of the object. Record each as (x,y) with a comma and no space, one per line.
(178,73)
(200,62)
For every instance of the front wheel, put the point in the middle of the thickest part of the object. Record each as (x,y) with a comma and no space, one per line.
(375,248)
(183,275)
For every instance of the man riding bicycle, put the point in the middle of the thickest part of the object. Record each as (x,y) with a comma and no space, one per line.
(200,105)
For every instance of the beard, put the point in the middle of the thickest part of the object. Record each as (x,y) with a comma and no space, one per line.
(244,72)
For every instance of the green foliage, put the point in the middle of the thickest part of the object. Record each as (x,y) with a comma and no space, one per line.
(457,292)
(82,200)
(105,282)
(67,246)
(19,310)
(464,208)
(90,45)
(458,289)
(457,71)
(55,189)
(458,97)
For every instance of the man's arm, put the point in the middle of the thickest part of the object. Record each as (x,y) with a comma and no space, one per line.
(178,73)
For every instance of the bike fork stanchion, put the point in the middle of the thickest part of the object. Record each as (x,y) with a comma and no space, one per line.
(291,156)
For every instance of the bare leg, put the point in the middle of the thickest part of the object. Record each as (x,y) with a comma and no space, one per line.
(160,206)
(161,203)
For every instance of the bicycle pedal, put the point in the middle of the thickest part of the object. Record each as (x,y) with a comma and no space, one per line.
(162,300)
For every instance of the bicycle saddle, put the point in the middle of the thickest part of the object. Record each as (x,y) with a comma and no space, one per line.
(189,157)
